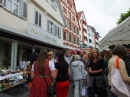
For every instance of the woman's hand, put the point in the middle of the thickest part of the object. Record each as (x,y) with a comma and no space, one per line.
(90,70)
(95,71)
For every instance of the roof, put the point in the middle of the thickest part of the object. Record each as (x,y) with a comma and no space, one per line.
(79,14)
(94,30)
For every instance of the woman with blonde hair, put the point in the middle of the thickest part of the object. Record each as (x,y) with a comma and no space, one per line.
(50,56)
(96,84)
(41,70)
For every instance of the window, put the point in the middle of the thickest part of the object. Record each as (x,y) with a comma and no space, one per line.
(74,39)
(77,41)
(90,41)
(69,15)
(69,38)
(73,18)
(53,29)
(69,4)
(64,10)
(59,32)
(69,25)
(64,35)
(77,31)
(37,18)
(72,27)
(16,7)
(53,4)
(12,6)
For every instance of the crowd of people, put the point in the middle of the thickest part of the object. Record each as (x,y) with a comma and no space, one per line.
(80,69)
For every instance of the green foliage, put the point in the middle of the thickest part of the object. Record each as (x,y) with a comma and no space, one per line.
(111,47)
(123,16)
(125,45)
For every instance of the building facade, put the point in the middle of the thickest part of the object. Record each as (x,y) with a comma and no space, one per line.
(71,32)
(27,26)
(89,38)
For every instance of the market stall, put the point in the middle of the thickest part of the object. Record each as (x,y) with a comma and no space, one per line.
(119,35)
(12,79)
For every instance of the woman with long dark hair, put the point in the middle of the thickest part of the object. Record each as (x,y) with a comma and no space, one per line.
(63,73)
(40,69)
(33,58)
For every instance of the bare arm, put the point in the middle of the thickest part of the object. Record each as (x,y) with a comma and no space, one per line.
(95,71)
(123,72)
(32,74)
(54,74)
(69,71)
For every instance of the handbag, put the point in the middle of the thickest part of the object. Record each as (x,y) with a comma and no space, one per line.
(84,91)
(119,87)
(51,90)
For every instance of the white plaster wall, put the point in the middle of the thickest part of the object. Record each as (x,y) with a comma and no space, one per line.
(47,7)
(15,22)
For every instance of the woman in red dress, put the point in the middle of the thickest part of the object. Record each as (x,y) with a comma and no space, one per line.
(40,67)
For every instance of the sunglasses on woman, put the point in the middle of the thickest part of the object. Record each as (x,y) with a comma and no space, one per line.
(49,55)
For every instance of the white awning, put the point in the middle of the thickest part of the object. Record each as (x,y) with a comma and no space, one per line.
(119,35)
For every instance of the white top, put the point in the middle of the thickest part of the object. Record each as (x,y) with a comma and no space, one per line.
(51,65)
(11,75)
(22,64)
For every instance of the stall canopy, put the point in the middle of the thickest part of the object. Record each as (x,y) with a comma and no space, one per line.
(118,35)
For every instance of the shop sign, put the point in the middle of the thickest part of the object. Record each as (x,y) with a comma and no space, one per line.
(41,34)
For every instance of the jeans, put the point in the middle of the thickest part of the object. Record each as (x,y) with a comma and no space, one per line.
(78,88)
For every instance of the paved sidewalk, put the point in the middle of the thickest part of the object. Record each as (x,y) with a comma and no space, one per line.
(12,93)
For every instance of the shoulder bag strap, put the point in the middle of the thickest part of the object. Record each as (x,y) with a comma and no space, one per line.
(117,63)
(45,80)
(44,76)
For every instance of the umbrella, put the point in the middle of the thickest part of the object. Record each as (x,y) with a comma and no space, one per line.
(118,35)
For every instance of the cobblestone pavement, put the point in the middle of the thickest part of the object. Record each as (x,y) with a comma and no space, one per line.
(13,93)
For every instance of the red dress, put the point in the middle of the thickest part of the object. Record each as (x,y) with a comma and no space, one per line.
(39,87)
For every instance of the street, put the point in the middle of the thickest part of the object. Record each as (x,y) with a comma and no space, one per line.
(11,93)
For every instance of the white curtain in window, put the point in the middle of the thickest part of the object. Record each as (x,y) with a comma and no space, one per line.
(15,9)
(9,5)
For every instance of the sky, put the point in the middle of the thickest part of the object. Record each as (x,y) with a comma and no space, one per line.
(102,14)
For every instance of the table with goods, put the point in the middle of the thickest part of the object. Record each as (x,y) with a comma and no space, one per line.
(12,79)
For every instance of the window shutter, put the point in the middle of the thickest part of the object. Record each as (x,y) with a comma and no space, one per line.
(47,25)
(50,27)
(36,17)
(53,29)
(56,30)
(24,10)
(40,20)
(59,32)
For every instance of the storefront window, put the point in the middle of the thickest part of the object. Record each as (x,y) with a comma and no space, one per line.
(7,55)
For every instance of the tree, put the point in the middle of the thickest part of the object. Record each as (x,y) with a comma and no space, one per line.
(123,16)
